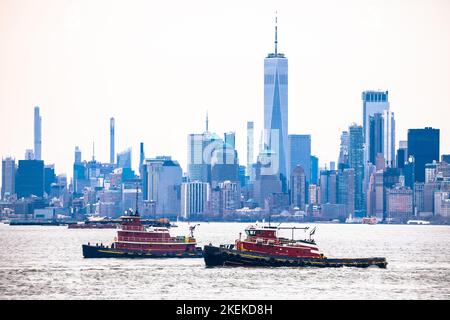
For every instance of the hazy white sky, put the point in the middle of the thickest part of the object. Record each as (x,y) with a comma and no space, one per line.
(157,66)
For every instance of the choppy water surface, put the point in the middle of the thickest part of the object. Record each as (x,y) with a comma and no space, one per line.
(47,263)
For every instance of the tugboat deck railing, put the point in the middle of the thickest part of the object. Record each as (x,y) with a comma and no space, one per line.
(156,240)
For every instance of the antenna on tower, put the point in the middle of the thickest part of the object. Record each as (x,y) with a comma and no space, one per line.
(207,121)
(276,33)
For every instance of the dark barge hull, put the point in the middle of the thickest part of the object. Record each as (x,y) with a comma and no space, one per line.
(90,251)
(220,256)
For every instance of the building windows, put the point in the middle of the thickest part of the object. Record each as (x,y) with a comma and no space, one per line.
(268,79)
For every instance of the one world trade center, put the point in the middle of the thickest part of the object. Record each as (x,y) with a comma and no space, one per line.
(276,110)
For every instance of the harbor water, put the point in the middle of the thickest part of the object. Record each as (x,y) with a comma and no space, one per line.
(46,262)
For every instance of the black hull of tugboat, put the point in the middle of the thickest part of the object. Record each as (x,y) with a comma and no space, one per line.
(219,256)
(90,251)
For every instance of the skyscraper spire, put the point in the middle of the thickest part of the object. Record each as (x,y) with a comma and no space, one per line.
(112,153)
(276,33)
(207,121)
(93,150)
(37,134)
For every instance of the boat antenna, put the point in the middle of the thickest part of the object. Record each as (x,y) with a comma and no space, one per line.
(192,228)
(136,213)
(312,232)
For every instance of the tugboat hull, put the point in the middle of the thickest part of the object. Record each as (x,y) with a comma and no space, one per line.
(221,256)
(104,252)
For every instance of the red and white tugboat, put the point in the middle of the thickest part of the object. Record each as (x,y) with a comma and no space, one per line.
(262,247)
(136,241)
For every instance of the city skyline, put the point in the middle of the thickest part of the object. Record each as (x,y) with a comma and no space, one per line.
(77,123)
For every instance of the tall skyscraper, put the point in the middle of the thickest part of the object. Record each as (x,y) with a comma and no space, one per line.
(111,140)
(250,146)
(356,162)
(141,159)
(343,150)
(382,137)
(389,138)
(332,165)
(163,177)
(373,102)
(402,154)
(375,136)
(124,159)
(141,154)
(37,134)
(201,148)
(314,170)
(328,186)
(298,187)
(8,177)
(346,189)
(30,178)
(300,153)
(266,182)
(49,177)
(276,108)
(194,198)
(77,155)
(230,139)
(195,158)
(79,173)
(423,145)
(224,164)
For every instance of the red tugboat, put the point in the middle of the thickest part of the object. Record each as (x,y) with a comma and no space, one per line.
(262,247)
(136,241)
